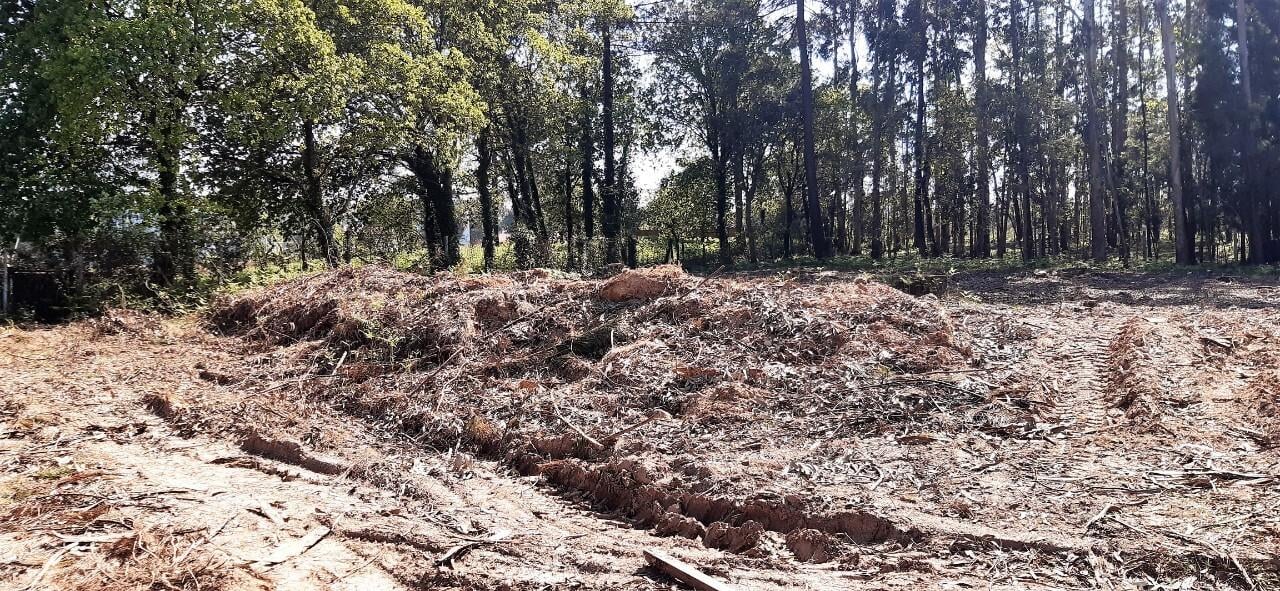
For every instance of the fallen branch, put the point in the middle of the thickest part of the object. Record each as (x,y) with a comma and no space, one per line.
(48,564)
(456,552)
(655,415)
(1096,518)
(293,548)
(580,432)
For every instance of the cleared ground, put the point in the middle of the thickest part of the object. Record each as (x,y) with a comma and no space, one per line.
(368,429)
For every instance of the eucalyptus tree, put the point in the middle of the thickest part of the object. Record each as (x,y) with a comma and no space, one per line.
(887,39)
(813,207)
(1184,255)
(982,150)
(1093,140)
(704,53)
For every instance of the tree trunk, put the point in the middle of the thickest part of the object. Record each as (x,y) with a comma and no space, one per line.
(1097,201)
(884,110)
(921,158)
(1152,217)
(739,189)
(587,147)
(535,198)
(522,208)
(757,178)
(1022,196)
(1120,128)
(314,195)
(1002,217)
(175,257)
(611,212)
(721,173)
(441,224)
(1175,138)
(302,249)
(982,104)
(813,207)
(566,185)
(855,139)
(488,221)
(1190,187)
(786,178)
(1257,216)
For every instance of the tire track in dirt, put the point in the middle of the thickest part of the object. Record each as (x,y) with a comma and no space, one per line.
(1075,347)
(1093,360)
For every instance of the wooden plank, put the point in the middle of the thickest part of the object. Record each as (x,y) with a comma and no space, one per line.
(683,572)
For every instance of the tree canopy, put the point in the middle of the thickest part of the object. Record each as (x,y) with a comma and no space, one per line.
(160,142)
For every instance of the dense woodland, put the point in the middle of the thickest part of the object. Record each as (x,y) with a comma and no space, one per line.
(163,143)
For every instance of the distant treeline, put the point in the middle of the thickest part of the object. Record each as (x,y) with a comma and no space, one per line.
(164,143)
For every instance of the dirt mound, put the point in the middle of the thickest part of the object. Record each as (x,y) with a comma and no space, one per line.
(539,318)
(754,422)
(643,284)
(559,375)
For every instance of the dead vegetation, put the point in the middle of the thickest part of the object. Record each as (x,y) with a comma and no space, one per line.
(745,424)
(100,534)
(559,377)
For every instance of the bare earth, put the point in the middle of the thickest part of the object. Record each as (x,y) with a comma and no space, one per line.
(1040,430)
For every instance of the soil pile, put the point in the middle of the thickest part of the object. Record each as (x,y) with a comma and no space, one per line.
(644,391)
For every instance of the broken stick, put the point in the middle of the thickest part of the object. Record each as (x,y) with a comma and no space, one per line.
(655,415)
(683,572)
(293,548)
(456,552)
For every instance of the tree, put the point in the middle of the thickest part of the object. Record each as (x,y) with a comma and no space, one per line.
(817,232)
(705,51)
(611,195)
(1184,256)
(982,106)
(1257,220)
(1120,128)
(1097,201)
(133,76)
